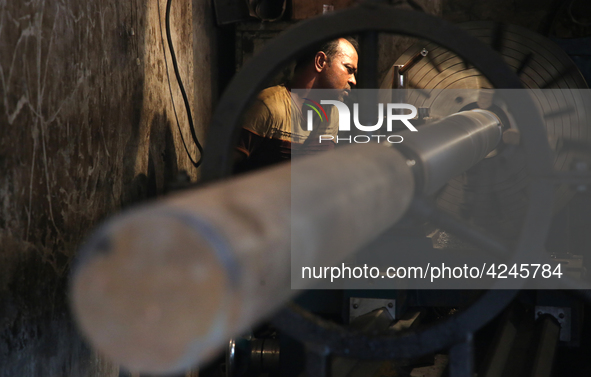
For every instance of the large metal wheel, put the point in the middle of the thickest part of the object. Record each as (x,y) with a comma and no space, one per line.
(366,21)
(491,196)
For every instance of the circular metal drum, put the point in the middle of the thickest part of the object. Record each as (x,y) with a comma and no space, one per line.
(493,195)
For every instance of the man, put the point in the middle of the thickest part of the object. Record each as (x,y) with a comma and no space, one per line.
(270,134)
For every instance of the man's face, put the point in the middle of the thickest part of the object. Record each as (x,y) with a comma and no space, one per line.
(339,72)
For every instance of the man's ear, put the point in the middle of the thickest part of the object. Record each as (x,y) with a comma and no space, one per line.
(320,61)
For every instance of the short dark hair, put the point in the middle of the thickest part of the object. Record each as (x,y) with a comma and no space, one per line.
(330,48)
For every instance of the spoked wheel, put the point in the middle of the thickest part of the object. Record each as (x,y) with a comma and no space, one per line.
(326,338)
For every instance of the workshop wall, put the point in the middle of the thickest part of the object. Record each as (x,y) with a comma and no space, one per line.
(87,127)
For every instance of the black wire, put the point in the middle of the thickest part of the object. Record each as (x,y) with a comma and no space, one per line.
(182,88)
(176,117)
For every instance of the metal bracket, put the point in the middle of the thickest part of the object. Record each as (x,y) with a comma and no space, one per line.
(562,315)
(359,306)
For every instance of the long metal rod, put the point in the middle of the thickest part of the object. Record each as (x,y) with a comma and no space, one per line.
(162,287)
(449,147)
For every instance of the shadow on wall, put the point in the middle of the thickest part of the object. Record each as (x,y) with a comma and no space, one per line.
(162,165)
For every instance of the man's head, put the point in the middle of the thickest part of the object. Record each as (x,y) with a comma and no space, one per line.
(333,66)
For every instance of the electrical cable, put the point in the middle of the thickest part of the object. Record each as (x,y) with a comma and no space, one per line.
(196,164)
(182,89)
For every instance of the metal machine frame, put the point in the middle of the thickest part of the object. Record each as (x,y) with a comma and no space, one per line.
(324,338)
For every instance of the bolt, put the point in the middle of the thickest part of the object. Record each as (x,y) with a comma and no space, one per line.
(390,305)
(561,315)
(355,306)
(459,99)
(540,313)
(410,162)
(424,52)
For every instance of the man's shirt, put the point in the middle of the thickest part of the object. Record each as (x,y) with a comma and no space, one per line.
(275,130)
